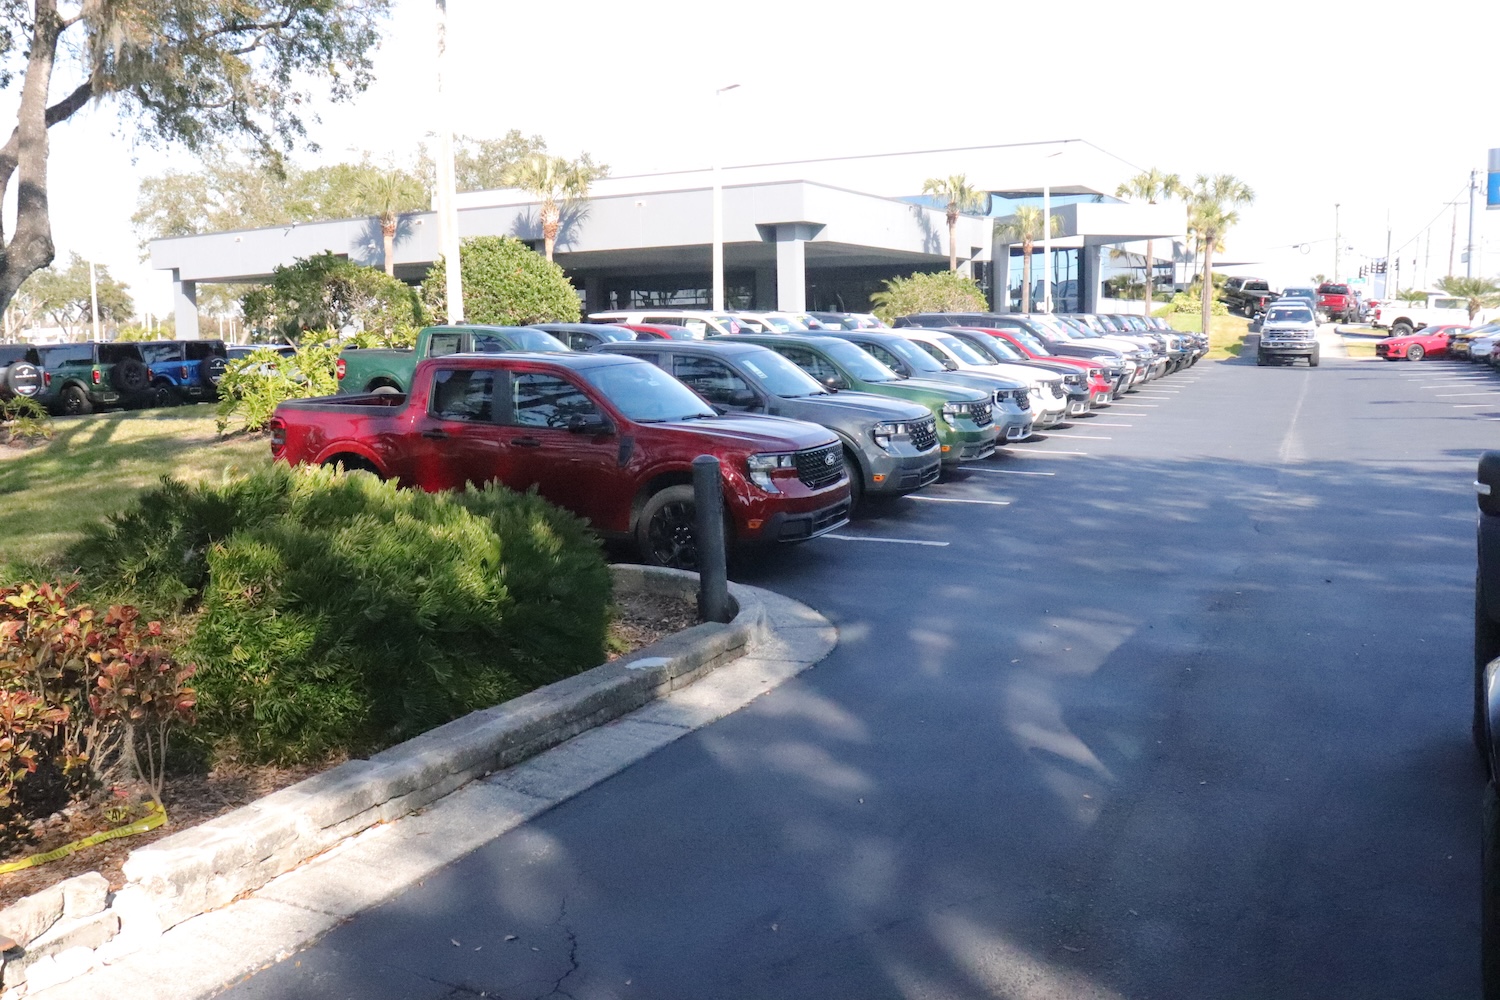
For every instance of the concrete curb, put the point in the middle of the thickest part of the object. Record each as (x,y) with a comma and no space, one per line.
(173,934)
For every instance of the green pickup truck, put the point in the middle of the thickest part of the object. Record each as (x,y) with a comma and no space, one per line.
(363,369)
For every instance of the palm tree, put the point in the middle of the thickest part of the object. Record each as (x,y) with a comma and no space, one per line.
(385,194)
(1211,213)
(557,183)
(1149,186)
(1482,293)
(1025,227)
(961,198)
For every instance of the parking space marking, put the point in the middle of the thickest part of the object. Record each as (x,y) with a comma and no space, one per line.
(982,503)
(1049,451)
(1470,406)
(888,541)
(1088,437)
(1094,424)
(1003,472)
(1148,405)
(1455,395)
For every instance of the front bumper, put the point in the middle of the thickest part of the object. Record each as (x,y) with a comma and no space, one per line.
(891,475)
(968,446)
(798,524)
(1304,349)
(1078,403)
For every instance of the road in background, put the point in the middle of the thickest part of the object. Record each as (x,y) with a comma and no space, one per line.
(1172,704)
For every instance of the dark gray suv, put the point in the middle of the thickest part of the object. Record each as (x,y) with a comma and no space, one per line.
(890,447)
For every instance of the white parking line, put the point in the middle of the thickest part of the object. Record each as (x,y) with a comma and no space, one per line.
(1095,424)
(982,503)
(1151,406)
(1088,437)
(888,541)
(1049,451)
(1470,406)
(1455,395)
(1003,472)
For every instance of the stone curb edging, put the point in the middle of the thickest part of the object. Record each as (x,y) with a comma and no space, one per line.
(76,926)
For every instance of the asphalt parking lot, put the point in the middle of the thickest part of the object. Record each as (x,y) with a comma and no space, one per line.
(1171,703)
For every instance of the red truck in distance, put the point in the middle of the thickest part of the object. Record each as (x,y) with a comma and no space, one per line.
(1337,302)
(608,437)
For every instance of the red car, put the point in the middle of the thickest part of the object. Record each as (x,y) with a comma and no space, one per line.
(608,437)
(1428,342)
(657,331)
(1102,388)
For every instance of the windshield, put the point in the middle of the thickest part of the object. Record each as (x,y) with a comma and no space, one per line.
(860,364)
(963,351)
(1299,293)
(777,323)
(70,354)
(1286,315)
(1000,350)
(779,376)
(525,339)
(1029,342)
(645,393)
(904,349)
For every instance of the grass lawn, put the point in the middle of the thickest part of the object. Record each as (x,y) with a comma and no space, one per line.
(1226,334)
(1359,349)
(95,465)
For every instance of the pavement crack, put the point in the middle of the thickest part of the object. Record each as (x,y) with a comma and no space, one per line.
(557,987)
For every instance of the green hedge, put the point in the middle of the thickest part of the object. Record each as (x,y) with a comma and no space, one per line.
(506,283)
(335,613)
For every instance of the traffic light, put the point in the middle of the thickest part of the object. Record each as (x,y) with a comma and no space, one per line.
(1361,270)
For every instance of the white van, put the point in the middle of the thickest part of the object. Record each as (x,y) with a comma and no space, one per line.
(702,324)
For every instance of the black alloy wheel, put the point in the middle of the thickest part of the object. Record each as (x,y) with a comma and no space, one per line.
(667,530)
(1415,352)
(75,402)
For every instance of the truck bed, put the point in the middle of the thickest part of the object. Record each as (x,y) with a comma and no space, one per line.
(378,403)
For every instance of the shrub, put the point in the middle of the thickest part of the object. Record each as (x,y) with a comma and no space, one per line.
(506,283)
(88,699)
(327,292)
(25,420)
(942,291)
(253,386)
(338,613)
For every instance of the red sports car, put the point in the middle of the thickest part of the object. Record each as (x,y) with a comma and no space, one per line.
(1428,342)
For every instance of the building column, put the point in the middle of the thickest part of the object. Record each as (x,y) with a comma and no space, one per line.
(185,306)
(593,295)
(999,273)
(765,288)
(1090,265)
(791,267)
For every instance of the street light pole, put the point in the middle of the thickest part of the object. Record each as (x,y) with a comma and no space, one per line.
(1337,241)
(1469,250)
(446,194)
(718,264)
(94,298)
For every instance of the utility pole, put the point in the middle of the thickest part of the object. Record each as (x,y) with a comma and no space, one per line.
(1336,241)
(446,200)
(1469,250)
(1386,292)
(1452,236)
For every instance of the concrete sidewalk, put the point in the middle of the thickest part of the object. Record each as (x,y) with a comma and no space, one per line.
(201,956)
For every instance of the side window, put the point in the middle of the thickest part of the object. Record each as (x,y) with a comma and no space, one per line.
(444,343)
(652,357)
(932,349)
(698,327)
(885,357)
(463,395)
(710,378)
(581,341)
(809,362)
(547,401)
(155,354)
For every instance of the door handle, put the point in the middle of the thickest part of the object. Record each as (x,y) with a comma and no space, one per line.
(527,442)
(435,435)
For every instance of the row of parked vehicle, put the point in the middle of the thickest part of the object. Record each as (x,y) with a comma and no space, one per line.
(1446,340)
(605,418)
(75,379)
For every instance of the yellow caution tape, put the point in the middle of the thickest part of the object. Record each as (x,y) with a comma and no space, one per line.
(155,817)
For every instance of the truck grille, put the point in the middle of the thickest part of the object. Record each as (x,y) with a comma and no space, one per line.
(984,414)
(1022,398)
(1075,379)
(1057,390)
(924,434)
(820,467)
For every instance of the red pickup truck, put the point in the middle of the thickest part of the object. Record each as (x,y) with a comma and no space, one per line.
(607,437)
(1337,303)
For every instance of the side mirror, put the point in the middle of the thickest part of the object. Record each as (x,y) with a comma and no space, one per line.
(833,383)
(950,364)
(588,423)
(1487,483)
(742,397)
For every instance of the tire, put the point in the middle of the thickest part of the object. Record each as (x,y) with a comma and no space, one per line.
(22,379)
(75,402)
(1416,352)
(1312,360)
(856,481)
(664,532)
(1489,893)
(165,394)
(1401,328)
(1486,648)
(211,370)
(130,375)
(1260,359)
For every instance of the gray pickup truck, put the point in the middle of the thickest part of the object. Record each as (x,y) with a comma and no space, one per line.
(890,446)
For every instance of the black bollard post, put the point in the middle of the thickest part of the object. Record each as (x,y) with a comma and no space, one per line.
(708,503)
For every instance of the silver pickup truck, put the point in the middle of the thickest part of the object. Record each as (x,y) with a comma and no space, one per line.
(890,446)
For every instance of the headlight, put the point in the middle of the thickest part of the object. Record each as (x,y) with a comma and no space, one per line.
(953,412)
(761,467)
(890,430)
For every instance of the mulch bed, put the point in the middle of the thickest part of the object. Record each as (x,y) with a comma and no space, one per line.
(196,798)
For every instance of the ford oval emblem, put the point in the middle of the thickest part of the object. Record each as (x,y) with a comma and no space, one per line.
(830,459)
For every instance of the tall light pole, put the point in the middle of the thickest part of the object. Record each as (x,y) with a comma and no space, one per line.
(1469,250)
(1047,231)
(446,194)
(717,132)
(1337,241)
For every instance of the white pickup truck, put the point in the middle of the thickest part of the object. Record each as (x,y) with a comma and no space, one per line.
(1404,317)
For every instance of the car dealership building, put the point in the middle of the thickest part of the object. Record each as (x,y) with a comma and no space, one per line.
(809,234)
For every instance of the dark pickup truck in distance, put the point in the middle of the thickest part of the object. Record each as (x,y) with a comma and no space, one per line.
(1250,296)
(610,438)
